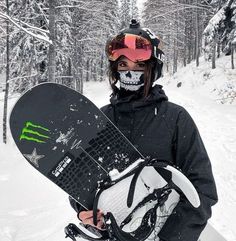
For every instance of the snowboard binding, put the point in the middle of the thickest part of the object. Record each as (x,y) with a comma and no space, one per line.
(140,205)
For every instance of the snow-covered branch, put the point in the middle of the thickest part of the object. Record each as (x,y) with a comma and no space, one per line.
(213,25)
(176,9)
(42,13)
(79,7)
(42,35)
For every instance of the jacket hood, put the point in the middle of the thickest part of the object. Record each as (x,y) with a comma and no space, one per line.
(136,100)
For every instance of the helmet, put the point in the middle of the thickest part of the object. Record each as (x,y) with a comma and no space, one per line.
(137,44)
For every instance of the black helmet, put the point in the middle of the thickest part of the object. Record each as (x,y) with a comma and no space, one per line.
(156,52)
(134,28)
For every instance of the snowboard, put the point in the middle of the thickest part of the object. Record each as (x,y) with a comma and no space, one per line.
(69,140)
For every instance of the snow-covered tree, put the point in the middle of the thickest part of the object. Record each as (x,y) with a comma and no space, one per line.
(221,28)
(72,33)
(27,52)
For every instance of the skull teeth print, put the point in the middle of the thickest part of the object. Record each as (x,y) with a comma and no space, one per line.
(131,80)
(130,87)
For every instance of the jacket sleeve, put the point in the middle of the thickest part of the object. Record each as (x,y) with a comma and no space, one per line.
(186,222)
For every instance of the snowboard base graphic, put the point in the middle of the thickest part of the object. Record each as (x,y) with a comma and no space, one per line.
(69,140)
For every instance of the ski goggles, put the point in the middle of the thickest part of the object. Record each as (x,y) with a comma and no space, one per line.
(134,47)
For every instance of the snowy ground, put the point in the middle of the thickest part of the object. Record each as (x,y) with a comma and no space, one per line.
(32,208)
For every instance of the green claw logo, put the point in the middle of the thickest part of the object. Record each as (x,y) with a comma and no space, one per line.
(31,132)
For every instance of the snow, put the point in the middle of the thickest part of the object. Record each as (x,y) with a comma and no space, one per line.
(116,175)
(33,208)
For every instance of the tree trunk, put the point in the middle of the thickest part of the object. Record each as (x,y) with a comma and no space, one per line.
(189,53)
(80,65)
(197,36)
(87,70)
(52,52)
(81,85)
(176,35)
(77,53)
(218,49)
(175,57)
(167,56)
(189,46)
(101,66)
(213,59)
(95,72)
(7,79)
(232,55)
(69,73)
(185,46)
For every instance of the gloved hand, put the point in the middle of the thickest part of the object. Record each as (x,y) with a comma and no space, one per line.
(86,217)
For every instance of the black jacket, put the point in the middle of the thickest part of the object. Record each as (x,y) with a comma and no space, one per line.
(163,130)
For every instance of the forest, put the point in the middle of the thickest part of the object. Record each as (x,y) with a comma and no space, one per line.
(64,41)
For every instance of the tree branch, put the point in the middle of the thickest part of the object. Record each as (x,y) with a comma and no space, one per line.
(43,36)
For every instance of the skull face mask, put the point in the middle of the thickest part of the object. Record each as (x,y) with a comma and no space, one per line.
(131,80)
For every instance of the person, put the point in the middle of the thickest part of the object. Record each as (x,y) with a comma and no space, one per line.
(157,127)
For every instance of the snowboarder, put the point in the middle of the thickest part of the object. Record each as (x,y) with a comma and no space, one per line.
(158,128)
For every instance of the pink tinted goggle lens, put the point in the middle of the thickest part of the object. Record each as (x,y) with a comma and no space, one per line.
(135,48)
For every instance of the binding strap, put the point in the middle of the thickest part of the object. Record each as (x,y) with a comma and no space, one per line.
(159,195)
(72,231)
(105,185)
(130,197)
(157,198)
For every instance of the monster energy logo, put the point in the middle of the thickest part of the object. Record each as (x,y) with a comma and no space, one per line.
(32,132)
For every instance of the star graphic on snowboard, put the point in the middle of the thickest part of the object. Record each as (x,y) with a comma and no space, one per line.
(34,157)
